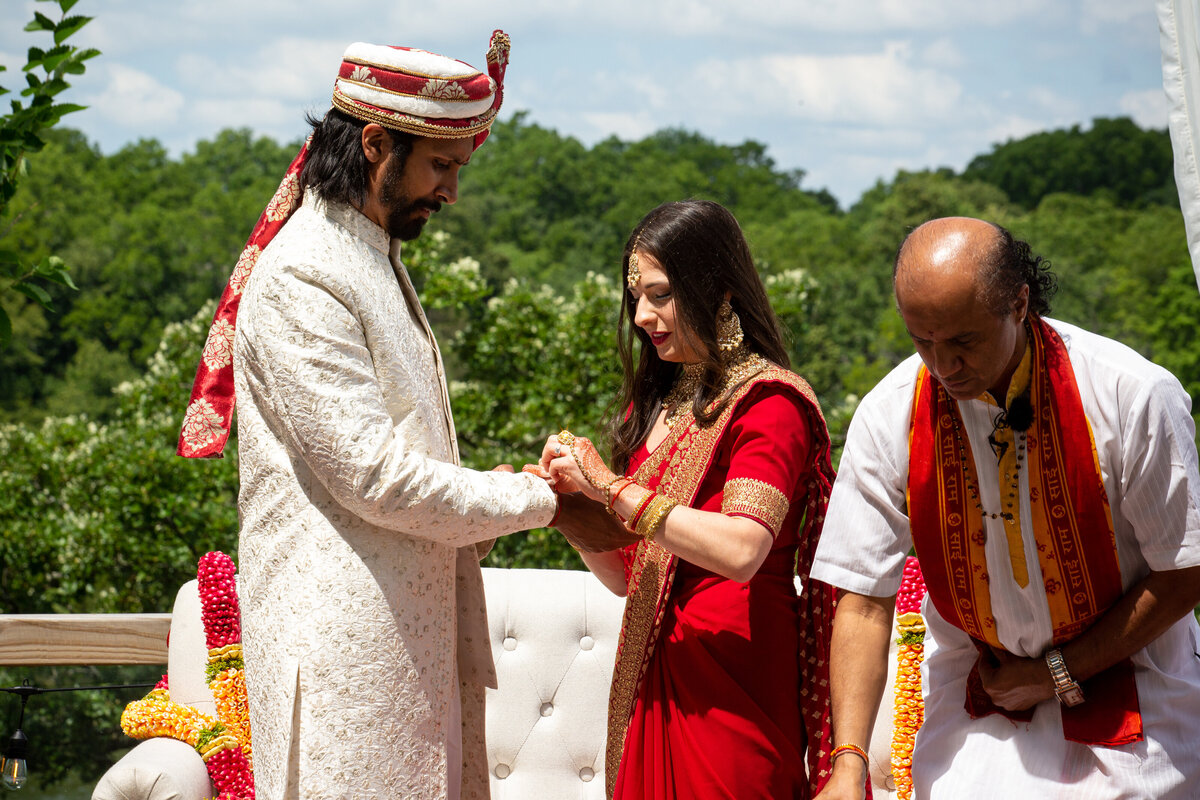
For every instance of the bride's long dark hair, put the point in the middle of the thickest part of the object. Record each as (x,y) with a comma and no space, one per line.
(701,248)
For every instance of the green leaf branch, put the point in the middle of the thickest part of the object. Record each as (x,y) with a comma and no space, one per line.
(21,133)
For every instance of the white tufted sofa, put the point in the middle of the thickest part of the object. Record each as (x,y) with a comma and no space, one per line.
(554,638)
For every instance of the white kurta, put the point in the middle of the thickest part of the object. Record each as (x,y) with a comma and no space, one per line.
(362,600)
(1141,421)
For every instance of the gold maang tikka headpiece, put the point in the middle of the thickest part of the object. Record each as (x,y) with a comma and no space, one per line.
(634,275)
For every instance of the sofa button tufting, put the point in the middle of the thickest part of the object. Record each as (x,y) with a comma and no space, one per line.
(502,771)
(586,643)
(510,643)
(586,774)
(547,709)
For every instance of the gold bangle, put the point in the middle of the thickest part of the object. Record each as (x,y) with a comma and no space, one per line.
(850,748)
(654,516)
(638,511)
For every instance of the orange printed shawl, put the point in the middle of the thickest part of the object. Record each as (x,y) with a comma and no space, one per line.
(677,469)
(1071,521)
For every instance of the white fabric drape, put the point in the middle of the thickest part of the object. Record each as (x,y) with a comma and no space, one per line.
(1179,27)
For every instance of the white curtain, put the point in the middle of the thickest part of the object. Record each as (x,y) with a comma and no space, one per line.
(1179,27)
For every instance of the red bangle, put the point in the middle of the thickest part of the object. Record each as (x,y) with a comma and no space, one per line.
(632,522)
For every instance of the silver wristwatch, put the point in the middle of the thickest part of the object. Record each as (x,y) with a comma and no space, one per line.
(1067,689)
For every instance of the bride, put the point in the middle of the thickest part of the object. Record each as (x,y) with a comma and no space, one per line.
(720,475)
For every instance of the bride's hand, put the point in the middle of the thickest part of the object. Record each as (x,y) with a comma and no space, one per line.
(565,467)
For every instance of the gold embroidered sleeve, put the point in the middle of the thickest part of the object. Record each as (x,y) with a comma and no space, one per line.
(758,500)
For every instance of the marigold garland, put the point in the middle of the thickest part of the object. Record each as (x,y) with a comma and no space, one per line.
(222,741)
(908,706)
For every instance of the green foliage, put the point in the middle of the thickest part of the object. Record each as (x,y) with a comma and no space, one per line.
(150,240)
(22,131)
(1114,157)
(103,517)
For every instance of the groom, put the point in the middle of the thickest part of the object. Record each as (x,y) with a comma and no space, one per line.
(364,627)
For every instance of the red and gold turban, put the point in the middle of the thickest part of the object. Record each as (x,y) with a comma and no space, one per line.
(397,87)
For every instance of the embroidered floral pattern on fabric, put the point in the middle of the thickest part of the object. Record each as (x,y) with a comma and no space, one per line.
(363,74)
(201,424)
(756,499)
(361,610)
(218,348)
(285,199)
(245,265)
(444,90)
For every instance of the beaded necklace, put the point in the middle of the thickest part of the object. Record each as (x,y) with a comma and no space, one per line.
(973,490)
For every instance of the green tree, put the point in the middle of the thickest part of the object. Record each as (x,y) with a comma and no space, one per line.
(1114,157)
(21,132)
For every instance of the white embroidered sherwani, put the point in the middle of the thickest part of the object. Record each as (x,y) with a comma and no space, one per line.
(362,602)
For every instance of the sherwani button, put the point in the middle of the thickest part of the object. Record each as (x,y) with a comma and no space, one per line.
(502,771)
(586,774)
(547,709)
(587,643)
(510,643)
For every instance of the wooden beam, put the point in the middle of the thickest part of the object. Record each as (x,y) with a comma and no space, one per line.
(52,639)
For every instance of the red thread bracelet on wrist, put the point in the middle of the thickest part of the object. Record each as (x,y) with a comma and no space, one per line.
(613,505)
(850,748)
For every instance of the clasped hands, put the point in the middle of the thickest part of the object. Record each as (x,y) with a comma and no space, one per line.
(573,468)
(1012,682)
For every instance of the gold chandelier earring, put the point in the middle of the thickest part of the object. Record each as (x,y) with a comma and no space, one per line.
(634,274)
(729,329)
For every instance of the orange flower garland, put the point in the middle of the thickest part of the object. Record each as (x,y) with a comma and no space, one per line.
(223,742)
(909,707)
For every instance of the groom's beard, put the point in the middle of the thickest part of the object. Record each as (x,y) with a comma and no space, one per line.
(403,221)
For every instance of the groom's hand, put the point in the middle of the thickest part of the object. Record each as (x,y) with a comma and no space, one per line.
(588,527)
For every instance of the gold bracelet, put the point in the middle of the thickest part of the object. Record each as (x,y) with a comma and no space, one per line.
(654,516)
(640,509)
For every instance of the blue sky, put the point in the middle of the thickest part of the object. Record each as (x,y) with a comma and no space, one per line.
(849,91)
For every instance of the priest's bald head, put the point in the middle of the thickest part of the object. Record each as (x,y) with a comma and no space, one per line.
(964,288)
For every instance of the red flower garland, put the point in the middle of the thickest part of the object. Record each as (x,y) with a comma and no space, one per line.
(223,742)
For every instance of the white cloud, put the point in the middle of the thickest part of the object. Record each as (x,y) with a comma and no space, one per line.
(943,54)
(882,88)
(1053,103)
(135,100)
(268,116)
(759,17)
(1011,127)
(1148,108)
(285,69)
(629,126)
(1112,12)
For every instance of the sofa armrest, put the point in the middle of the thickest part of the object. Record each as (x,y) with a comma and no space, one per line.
(157,769)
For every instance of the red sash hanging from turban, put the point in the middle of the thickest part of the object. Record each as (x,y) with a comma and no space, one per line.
(1071,521)
(210,410)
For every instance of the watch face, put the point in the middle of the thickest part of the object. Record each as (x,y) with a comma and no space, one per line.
(1071,696)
